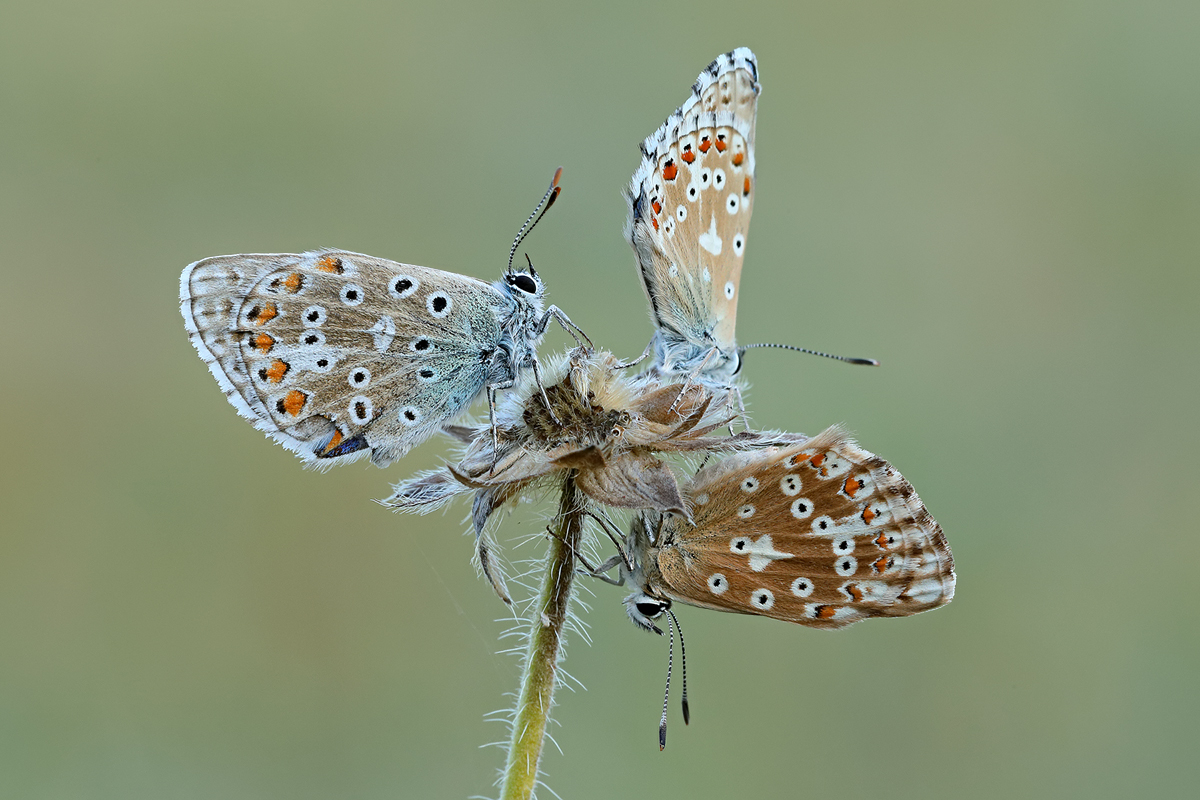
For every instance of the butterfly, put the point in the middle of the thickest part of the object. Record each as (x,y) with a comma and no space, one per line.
(820,533)
(689,210)
(336,354)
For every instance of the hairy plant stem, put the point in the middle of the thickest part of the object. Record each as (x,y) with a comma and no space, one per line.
(545,645)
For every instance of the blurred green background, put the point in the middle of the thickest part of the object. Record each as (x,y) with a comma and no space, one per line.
(1001,201)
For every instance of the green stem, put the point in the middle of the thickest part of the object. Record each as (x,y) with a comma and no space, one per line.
(545,645)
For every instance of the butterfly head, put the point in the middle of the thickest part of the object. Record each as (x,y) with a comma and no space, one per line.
(527,283)
(525,290)
(643,609)
(644,605)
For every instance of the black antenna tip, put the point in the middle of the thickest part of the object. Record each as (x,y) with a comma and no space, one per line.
(869,362)
(687,712)
(662,737)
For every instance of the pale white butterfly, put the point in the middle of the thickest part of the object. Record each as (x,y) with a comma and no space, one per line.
(689,211)
(336,354)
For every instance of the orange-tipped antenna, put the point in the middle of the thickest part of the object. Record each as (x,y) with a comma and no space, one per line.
(542,207)
(870,362)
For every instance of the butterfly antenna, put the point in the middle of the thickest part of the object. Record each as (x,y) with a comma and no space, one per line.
(870,362)
(542,207)
(687,714)
(662,723)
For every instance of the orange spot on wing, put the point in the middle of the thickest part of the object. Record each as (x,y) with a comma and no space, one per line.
(334,442)
(657,206)
(261,315)
(293,282)
(687,154)
(705,143)
(738,158)
(277,370)
(670,170)
(330,264)
(883,540)
(882,564)
(868,515)
(721,145)
(746,186)
(654,222)
(851,487)
(818,459)
(263,342)
(855,592)
(826,612)
(294,402)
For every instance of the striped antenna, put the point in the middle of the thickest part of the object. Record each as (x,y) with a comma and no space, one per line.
(870,362)
(542,207)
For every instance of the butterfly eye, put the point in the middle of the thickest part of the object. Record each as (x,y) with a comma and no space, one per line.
(523,282)
(649,608)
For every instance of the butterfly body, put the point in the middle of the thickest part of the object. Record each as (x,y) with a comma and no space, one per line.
(689,211)
(821,533)
(336,355)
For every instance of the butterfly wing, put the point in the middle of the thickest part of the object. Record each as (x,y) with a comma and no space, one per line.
(689,211)
(334,354)
(822,533)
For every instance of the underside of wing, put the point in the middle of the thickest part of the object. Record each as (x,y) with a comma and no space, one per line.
(822,533)
(336,355)
(690,203)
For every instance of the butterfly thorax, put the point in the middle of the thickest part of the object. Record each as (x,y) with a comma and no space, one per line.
(520,324)
(641,571)
(702,360)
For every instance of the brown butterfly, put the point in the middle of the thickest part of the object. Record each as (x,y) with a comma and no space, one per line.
(820,532)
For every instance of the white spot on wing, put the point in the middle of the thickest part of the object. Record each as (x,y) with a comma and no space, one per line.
(762,599)
(761,552)
(802,587)
(383,331)
(709,240)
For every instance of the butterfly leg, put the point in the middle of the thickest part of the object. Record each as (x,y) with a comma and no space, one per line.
(537,377)
(556,313)
(737,395)
(491,398)
(610,529)
(595,571)
(645,354)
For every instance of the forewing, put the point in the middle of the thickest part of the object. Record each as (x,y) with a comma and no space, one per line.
(822,533)
(336,354)
(690,203)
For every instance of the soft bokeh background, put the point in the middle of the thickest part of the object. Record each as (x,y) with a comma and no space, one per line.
(1001,201)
